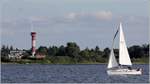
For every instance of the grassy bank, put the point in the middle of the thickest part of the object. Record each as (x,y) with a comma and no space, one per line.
(141,61)
(62,60)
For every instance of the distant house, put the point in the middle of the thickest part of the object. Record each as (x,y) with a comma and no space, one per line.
(40,56)
(16,54)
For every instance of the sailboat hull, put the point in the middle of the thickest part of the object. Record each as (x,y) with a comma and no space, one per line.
(124,72)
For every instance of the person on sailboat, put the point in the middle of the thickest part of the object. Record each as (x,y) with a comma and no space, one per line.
(130,68)
(139,69)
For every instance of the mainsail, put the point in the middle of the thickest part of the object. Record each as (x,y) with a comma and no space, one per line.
(124,58)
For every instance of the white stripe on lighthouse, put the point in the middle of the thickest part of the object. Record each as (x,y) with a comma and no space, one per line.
(34,43)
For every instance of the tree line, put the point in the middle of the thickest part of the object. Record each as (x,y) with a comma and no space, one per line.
(72,53)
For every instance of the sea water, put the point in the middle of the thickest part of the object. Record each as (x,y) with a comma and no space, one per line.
(59,73)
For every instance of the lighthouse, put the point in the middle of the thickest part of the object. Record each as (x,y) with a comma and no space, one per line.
(33,35)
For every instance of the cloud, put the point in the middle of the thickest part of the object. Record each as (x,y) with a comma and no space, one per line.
(100,15)
(103,15)
(72,15)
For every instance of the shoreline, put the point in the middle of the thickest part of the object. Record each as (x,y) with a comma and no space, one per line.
(65,63)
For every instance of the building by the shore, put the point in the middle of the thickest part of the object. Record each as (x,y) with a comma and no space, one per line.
(16,54)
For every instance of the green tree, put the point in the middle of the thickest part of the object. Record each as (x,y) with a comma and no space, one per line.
(4,53)
(135,51)
(85,54)
(93,55)
(145,48)
(97,49)
(98,52)
(52,51)
(106,52)
(73,50)
(61,51)
(11,47)
(42,50)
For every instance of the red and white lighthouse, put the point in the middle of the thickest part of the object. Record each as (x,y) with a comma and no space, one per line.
(33,35)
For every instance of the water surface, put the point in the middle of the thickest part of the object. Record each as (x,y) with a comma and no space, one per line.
(49,73)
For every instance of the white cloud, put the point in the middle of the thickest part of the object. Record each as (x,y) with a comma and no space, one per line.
(71,15)
(103,15)
(100,15)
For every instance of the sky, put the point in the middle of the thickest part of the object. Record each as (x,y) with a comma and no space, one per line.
(87,22)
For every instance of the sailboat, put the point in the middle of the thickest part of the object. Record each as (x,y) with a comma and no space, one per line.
(124,67)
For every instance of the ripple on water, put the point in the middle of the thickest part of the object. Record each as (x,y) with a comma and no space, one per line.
(39,73)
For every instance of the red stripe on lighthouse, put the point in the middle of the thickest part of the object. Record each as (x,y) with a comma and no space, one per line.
(33,34)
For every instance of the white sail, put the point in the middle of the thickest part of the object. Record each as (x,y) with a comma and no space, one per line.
(124,58)
(112,60)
